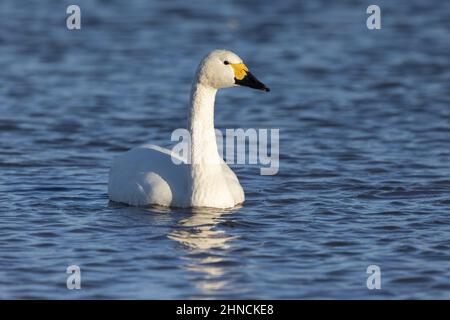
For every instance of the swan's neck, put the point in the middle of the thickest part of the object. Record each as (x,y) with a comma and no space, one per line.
(201,126)
(209,185)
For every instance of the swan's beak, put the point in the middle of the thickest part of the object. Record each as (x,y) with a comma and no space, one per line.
(243,77)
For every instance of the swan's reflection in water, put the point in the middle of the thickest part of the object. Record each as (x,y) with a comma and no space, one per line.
(206,247)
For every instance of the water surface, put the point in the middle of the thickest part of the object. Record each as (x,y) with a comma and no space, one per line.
(364,175)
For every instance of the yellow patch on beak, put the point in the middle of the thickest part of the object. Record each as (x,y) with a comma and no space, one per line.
(240,70)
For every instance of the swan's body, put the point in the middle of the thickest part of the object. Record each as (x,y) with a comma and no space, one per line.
(149,175)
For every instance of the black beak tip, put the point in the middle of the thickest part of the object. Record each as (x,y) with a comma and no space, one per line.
(250,81)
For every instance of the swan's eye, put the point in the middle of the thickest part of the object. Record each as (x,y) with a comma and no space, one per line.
(226,62)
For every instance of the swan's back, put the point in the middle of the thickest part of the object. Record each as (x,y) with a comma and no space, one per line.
(147,175)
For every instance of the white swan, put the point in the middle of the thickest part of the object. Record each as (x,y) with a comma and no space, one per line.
(148,175)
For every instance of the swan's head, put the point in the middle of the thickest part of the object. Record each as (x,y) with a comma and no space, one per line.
(224,69)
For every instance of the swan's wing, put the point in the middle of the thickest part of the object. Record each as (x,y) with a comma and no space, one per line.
(149,175)
(176,158)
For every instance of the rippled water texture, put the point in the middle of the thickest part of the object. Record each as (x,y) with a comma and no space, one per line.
(364,123)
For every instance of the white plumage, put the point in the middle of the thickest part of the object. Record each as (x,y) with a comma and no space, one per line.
(148,175)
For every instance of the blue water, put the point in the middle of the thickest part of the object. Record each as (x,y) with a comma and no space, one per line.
(364,175)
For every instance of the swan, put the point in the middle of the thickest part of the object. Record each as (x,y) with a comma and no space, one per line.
(148,174)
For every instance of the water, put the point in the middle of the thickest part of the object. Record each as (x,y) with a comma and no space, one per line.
(364,176)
